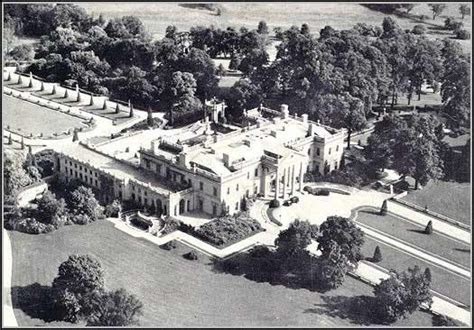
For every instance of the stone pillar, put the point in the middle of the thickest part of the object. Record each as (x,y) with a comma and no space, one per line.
(284,182)
(301,177)
(292,179)
(277,183)
(288,179)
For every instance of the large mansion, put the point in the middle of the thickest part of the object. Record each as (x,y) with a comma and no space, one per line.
(212,170)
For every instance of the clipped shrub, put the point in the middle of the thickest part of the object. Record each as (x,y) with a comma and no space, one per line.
(113,209)
(321,192)
(463,34)
(169,245)
(191,255)
(377,255)
(81,219)
(419,29)
(429,228)
(274,203)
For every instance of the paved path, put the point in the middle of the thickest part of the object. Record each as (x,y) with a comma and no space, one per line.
(423,219)
(374,275)
(9,319)
(193,242)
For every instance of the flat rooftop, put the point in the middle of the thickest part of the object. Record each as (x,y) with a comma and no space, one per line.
(116,168)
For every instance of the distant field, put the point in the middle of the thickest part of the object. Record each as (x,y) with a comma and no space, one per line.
(31,118)
(157,16)
(175,291)
(448,198)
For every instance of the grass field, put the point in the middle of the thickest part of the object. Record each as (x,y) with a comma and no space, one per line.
(157,16)
(447,198)
(176,291)
(30,118)
(443,281)
(412,233)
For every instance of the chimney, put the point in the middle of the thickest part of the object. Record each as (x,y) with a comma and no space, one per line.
(226,159)
(304,117)
(310,129)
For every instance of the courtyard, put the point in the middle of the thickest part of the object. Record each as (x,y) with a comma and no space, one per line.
(174,290)
(28,118)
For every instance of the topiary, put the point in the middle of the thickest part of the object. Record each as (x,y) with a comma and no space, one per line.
(377,255)
(274,203)
(429,228)
(169,245)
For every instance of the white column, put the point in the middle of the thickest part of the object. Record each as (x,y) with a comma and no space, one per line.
(277,183)
(292,179)
(284,182)
(301,177)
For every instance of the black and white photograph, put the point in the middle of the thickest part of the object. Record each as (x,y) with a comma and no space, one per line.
(236,164)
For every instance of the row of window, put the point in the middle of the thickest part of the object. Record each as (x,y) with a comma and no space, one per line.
(80,168)
(318,151)
(87,179)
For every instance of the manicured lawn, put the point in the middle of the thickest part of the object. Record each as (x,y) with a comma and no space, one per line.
(31,118)
(448,198)
(409,232)
(176,291)
(444,282)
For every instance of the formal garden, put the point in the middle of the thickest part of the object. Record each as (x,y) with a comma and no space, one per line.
(220,232)
(31,120)
(415,234)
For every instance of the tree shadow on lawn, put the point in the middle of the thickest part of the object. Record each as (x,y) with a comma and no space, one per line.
(462,250)
(263,269)
(358,309)
(35,300)
(419,231)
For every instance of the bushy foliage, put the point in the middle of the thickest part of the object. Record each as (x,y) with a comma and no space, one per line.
(114,308)
(227,229)
(344,233)
(169,245)
(83,203)
(30,226)
(50,209)
(113,209)
(274,203)
(78,277)
(402,294)
(296,238)
(463,34)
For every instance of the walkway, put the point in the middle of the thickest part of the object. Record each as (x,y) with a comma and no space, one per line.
(9,319)
(423,219)
(212,251)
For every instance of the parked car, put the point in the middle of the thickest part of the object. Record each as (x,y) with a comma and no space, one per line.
(294,199)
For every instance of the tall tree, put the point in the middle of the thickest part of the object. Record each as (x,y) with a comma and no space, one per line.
(402,294)
(342,232)
(437,9)
(464,10)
